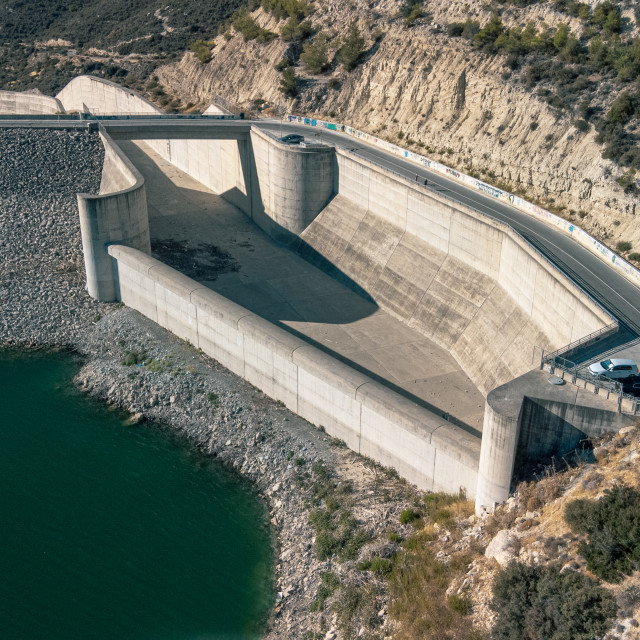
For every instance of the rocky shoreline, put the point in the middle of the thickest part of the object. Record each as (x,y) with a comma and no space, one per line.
(132,363)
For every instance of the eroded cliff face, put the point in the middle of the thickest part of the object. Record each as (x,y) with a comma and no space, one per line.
(438,96)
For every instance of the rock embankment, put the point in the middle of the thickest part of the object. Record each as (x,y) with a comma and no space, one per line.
(42,297)
(132,363)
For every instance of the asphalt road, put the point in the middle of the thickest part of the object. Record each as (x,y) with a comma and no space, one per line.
(610,289)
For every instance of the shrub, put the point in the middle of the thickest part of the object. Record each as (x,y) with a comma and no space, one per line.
(380,566)
(289,83)
(284,63)
(202,51)
(634,256)
(540,603)
(408,515)
(623,107)
(296,31)
(329,583)
(624,245)
(612,527)
(315,55)
(459,604)
(581,125)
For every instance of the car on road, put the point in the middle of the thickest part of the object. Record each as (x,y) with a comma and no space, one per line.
(614,369)
(292,138)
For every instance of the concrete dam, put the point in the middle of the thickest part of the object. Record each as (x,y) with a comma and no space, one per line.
(403,323)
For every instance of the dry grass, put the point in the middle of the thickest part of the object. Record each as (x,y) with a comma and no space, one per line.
(419,581)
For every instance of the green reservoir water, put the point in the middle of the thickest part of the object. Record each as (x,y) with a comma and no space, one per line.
(109,531)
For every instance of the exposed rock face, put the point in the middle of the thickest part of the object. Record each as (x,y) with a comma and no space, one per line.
(459,103)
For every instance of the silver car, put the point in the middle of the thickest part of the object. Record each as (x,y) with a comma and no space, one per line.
(615,369)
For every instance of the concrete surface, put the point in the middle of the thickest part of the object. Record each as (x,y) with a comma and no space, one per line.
(12,102)
(279,286)
(118,214)
(527,419)
(370,418)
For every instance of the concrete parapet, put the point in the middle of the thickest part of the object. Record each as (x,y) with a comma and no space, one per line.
(369,417)
(29,103)
(117,214)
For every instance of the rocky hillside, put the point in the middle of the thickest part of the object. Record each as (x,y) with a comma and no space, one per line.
(478,108)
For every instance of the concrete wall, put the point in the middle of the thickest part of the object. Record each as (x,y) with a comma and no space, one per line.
(528,419)
(117,214)
(28,103)
(282,188)
(370,418)
(98,96)
(465,281)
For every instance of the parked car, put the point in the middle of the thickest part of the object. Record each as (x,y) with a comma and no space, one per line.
(292,138)
(615,369)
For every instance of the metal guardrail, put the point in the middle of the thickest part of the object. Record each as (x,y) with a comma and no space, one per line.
(65,117)
(599,382)
(591,338)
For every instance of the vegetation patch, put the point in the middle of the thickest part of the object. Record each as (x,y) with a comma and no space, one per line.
(612,529)
(541,603)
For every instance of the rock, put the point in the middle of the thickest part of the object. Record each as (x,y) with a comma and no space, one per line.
(625,430)
(331,634)
(503,548)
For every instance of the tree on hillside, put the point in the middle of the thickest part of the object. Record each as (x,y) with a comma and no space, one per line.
(315,55)
(289,83)
(350,53)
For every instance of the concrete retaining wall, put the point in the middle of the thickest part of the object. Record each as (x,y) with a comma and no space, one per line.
(117,214)
(87,94)
(29,103)
(370,418)
(463,280)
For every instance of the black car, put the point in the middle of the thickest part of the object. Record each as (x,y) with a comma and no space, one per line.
(292,138)
(631,386)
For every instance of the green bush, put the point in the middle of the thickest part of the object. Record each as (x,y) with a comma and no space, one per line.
(380,566)
(612,529)
(540,603)
(202,51)
(624,245)
(289,83)
(408,515)
(634,256)
(296,31)
(459,604)
(314,54)
(352,49)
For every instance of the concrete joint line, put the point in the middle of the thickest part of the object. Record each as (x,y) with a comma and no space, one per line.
(424,293)
(355,393)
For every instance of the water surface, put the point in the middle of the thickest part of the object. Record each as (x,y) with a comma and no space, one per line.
(113,531)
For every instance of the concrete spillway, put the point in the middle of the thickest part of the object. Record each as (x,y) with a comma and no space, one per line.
(396,303)
(275,283)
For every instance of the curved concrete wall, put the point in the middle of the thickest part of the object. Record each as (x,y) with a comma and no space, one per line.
(118,214)
(461,279)
(295,184)
(95,95)
(29,103)
(370,418)
(529,419)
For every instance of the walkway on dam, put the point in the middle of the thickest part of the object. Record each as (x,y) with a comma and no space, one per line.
(199,233)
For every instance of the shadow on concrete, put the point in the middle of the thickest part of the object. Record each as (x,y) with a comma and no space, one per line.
(385,382)
(622,339)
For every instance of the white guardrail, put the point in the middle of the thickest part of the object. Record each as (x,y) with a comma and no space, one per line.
(581,236)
